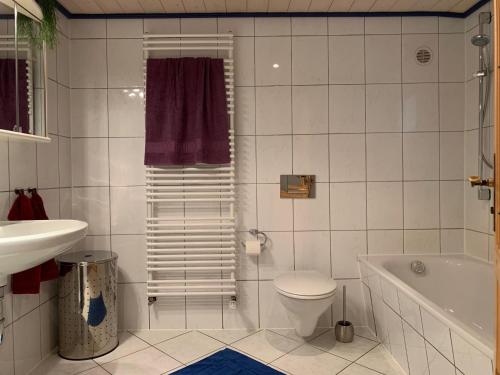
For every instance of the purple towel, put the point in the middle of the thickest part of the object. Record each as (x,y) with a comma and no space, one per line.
(8,95)
(186,112)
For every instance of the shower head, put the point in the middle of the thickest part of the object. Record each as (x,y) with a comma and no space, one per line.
(480,40)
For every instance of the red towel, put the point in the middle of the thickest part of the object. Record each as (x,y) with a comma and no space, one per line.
(28,282)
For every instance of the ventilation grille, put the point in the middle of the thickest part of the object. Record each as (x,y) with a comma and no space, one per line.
(423,55)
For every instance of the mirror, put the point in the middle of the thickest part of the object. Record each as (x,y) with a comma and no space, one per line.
(22,84)
(297,186)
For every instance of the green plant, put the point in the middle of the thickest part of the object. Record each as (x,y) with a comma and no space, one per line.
(46,31)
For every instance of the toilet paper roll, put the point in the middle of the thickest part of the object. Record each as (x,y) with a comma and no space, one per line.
(252,247)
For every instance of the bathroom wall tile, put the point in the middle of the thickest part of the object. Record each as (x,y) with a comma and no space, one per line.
(451,58)
(126,161)
(355,302)
(347,59)
(476,244)
(384,157)
(421,205)
(312,251)
(63,59)
(437,363)
(162,26)
(346,25)
(49,327)
(51,101)
(273,110)
(125,63)
(309,60)
(345,248)
(451,106)
(169,313)
(347,157)
(309,155)
(89,161)
(133,311)
(4,165)
(397,338)
(63,111)
(274,214)
(309,109)
(91,204)
(414,71)
(22,164)
(471,104)
(131,250)
(451,155)
(421,156)
(390,294)
(278,257)
(451,25)
(437,334)
(273,61)
(476,217)
(420,107)
(383,25)
(309,25)
(128,210)
(237,26)
(51,202)
(52,63)
(348,206)
(419,25)
(4,205)
(246,206)
(64,162)
(89,113)
(198,26)
(313,214)
(88,63)
(7,352)
(415,348)
(278,149)
(22,304)
(65,203)
(247,313)
(385,205)
(452,241)
(132,28)
(203,312)
(385,242)
(126,113)
(27,350)
(244,68)
(272,26)
(347,103)
(383,108)
(247,266)
(88,29)
(410,312)
(272,313)
(470,152)
(452,207)
(245,116)
(246,159)
(383,58)
(469,359)
(47,161)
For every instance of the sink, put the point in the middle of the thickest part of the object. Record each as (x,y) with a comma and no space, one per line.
(26,244)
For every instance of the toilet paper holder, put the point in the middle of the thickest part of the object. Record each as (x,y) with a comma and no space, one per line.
(257,233)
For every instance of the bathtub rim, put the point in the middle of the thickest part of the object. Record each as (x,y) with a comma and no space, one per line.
(483,345)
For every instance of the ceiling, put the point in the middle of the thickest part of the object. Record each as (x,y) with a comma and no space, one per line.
(232,6)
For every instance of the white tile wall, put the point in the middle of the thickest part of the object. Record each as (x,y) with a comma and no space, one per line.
(31,320)
(346,102)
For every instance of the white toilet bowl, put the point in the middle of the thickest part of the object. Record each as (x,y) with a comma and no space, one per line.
(306,295)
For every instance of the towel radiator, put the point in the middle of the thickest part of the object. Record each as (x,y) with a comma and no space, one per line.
(190,225)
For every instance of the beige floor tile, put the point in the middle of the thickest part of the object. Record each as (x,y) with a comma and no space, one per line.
(350,351)
(149,361)
(380,360)
(128,344)
(155,336)
(228,336)
(55,365)
(355,369)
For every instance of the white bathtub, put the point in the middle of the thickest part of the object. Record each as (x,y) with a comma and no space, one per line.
(450,310)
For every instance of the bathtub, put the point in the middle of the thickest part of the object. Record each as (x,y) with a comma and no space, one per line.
(441,317)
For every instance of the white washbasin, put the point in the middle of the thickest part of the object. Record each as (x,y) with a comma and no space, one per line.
(25,244)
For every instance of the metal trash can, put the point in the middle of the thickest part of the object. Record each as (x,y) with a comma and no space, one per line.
(88,325)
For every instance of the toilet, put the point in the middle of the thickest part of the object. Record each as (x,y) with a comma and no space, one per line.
(306,295)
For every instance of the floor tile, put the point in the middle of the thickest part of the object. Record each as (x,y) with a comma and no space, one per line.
(350,351)
(94,371)
(355,369)
(310,360)
(365,332)
(189,347)
(291,333)
(156,336)
(380,360)
(266,345)
(149,361)
(228,336)
(55,365)
(128,344)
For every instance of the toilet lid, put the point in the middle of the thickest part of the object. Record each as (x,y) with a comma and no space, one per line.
(305,283)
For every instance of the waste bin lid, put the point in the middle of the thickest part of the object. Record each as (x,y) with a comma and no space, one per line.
(86,257)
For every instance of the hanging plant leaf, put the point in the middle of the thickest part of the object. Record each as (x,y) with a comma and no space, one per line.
(47,29)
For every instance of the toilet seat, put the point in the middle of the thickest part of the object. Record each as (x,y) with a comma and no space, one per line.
(305,285)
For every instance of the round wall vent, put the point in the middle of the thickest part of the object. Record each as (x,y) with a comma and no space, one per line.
(423,55)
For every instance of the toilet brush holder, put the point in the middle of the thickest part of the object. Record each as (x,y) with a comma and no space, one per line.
(344,330)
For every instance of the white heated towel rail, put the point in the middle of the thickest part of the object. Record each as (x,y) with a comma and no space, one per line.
(190,225)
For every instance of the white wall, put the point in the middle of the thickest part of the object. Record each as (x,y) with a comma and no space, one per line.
(479,235)
(348,103)
(31,332)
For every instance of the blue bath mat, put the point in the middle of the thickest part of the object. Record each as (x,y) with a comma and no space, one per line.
(227,362)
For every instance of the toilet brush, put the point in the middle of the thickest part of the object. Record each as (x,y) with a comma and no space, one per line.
(344,330)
